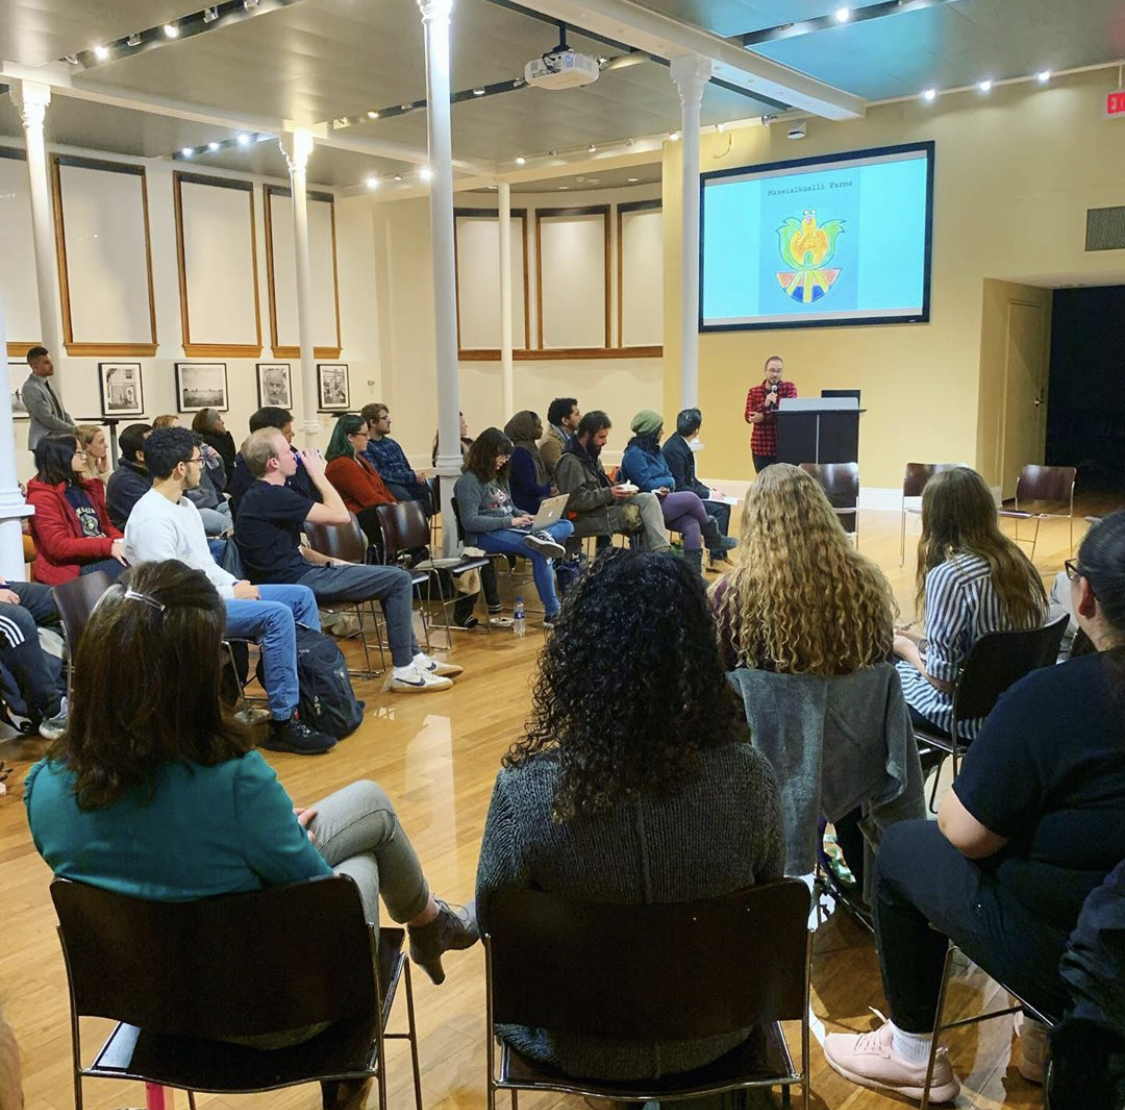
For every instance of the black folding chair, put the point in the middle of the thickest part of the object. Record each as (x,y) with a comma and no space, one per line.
(75,601)
(669,972)
(183,980)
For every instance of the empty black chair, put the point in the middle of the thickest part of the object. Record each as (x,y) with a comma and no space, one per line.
(675,971)
(182,979)
(75,601)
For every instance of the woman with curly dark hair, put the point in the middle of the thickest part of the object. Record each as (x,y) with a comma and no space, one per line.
(635,783)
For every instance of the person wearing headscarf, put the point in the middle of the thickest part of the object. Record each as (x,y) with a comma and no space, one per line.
(527,472)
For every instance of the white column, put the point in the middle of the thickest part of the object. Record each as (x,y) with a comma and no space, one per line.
(12,506)
(691,73)
(435,21)
(297,146)
(507,368)
(32,100)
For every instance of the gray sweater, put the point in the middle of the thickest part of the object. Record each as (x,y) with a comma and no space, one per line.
(483,506)
(721,833)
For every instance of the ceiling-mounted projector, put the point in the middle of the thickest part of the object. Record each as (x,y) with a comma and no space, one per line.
(561,68)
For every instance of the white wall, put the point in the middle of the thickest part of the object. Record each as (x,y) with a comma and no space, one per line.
(79,375)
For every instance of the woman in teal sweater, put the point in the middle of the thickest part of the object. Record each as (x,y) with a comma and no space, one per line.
(153,791)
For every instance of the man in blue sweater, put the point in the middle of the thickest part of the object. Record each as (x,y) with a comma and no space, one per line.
(389,459)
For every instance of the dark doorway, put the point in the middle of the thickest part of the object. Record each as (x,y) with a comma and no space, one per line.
(1086,398)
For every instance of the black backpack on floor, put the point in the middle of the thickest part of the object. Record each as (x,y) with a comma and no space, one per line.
(327,702)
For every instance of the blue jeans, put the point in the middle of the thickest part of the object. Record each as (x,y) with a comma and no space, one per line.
(510,541)
(270,622)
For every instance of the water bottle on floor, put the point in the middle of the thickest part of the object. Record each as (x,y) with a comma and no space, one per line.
(519,618)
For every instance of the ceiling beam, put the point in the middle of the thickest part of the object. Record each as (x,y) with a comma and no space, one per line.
(820,23)
(657,34)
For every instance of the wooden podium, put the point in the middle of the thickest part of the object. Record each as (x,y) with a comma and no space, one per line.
(818,430)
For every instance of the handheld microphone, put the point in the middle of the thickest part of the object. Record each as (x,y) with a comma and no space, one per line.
(773,387)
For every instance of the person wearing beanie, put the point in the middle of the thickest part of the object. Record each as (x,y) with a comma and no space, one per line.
(644,466)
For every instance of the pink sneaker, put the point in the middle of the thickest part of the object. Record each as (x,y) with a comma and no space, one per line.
(867,1059)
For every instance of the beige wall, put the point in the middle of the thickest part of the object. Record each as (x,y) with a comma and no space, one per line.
(1015,173)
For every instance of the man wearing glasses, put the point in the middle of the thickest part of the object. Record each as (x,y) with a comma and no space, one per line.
(164,524)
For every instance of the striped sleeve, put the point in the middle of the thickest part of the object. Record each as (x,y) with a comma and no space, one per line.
(948,617)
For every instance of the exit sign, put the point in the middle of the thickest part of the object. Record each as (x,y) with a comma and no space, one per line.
(1115,104)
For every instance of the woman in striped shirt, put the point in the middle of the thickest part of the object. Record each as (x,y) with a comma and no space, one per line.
(972,580)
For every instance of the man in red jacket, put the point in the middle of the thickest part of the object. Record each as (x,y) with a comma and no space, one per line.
(761,412)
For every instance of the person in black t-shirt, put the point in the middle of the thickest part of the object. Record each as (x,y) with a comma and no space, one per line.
(1034,822)
(268,533)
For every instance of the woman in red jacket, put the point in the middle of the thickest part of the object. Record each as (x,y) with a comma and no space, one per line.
(72,531)
(355,479)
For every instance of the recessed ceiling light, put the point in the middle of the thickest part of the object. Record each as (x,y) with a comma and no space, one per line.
(372,182)
(101,52)
(564,186)
(243,139)
(212,146)
(521,160)
(171,30)
(406,107)
(929,94)
(675,136)
(249,5)
(478,92)
(843,15)
(592,149)
(633,180)
(985,85)
(580,178)
(1044,76)
(372,115)
(426,173)
(398,176)
(188,151)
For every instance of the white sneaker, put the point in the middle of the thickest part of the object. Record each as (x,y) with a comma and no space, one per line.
(544,545)
(416,681)
(437,666)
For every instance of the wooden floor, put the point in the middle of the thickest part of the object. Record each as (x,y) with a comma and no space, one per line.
(437,756)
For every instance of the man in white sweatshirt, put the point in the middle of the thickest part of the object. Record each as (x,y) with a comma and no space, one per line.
(164,524)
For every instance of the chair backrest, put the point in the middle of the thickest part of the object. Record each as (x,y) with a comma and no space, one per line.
(918,474)
(1047,483)
(238,965)
(457,520)
(840,481)
(998,660)
(338,541)
(674,971)
(404,527)
(75,601)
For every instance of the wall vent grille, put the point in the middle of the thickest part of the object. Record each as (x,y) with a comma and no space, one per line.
(1105,229)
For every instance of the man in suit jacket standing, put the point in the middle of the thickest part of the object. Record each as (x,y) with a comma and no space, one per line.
(43,404)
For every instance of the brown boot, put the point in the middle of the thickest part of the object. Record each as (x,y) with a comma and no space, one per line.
(452,928)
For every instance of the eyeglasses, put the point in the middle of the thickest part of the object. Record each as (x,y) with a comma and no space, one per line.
(1073,570)
(197,460)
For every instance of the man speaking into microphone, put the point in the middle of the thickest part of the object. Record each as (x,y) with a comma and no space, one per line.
(761,411)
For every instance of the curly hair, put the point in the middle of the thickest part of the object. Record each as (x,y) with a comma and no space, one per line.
(959,515)
(802,600)
(631,687)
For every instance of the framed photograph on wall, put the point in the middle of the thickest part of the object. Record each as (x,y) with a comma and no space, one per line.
(17,375)
(275,385)
(335,390)
(122,391)
(201,385)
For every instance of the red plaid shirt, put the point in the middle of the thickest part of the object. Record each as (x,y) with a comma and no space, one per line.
(763,441)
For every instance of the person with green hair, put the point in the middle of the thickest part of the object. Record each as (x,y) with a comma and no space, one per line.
(644,466)
(356,480)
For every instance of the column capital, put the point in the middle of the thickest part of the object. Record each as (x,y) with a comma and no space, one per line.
(434,11)
(32,100)
(297,146)
(691,73)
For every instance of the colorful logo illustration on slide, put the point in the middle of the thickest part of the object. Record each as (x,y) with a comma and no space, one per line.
(807,248)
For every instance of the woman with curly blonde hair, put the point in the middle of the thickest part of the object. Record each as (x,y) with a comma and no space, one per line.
(802,600)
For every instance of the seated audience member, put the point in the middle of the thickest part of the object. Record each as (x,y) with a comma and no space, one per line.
(355,479)
(492,523)
(268,532)
(241,480)
(389,459)
(25,607)
(165,524)
(131,480)
(91,439)
(168,420)
(802,599)
(644,466)
(154,792)
(972,580)
(208,496)
(72,532)
(527,473)
(466,440)
(596,506)
(630,800)
(1034,822)
(681,462)
(208,424)
(563,417)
